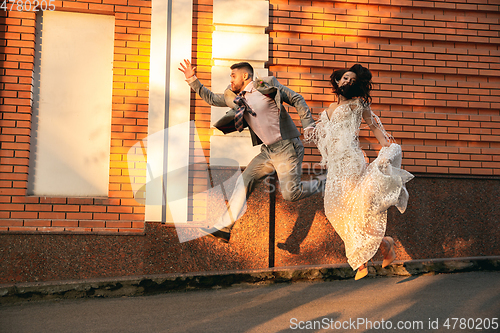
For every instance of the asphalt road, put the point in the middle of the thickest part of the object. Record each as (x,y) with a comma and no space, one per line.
(461,302)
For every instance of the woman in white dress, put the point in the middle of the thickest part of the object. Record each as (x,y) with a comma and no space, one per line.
(357,194)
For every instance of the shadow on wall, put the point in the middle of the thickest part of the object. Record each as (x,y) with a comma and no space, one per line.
(300,230)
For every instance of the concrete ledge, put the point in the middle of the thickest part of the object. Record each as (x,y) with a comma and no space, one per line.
(154,284)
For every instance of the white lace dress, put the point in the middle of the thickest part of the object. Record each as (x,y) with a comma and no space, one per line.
(357,194)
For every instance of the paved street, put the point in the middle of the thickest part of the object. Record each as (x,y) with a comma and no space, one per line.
(413,304)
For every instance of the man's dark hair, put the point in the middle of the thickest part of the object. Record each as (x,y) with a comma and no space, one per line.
(245,66)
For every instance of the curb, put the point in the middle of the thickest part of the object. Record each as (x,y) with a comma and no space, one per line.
(155,284)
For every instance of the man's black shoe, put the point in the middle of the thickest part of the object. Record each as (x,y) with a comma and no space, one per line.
(216,233)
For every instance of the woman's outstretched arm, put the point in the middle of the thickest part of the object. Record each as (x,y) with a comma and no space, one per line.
(367,116)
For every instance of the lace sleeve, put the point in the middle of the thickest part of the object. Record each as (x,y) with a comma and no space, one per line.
(372,119)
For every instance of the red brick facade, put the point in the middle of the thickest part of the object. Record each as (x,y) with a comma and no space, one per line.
(201,111)
(436,67)
(119,212)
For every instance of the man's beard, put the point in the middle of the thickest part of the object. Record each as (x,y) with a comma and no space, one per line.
(349,91)
(236,90)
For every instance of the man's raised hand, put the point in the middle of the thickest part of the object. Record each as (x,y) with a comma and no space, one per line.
(187,69)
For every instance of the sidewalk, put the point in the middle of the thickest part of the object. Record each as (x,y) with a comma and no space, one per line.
(462,302)
(155,284)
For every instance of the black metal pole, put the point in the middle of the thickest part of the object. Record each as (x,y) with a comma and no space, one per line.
(272,217)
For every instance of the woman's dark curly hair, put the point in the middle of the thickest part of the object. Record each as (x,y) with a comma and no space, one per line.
(361,87)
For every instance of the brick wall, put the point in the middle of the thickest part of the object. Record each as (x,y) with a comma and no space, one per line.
(436,67)
(119,212)
(201,111)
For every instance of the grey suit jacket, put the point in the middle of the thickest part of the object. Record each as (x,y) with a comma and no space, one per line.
(270,87)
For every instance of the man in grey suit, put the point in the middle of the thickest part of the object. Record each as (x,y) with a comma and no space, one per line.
(258,105)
